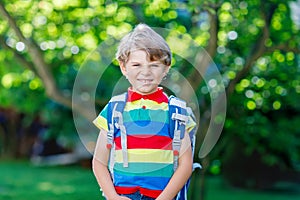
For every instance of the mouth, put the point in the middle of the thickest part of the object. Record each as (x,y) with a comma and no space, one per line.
(145,81)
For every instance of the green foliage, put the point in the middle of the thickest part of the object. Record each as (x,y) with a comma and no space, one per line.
(267,98)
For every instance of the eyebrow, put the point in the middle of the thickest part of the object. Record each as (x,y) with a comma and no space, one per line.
(140,62)
(135,62)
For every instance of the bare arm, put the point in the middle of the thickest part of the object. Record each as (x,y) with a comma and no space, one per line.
(100,160)
(183,172)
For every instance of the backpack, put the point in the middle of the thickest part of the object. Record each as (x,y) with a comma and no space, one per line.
(178,115)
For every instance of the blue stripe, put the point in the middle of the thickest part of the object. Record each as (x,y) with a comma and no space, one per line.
(145,169)
(146,115)
(152,183)
(146,128)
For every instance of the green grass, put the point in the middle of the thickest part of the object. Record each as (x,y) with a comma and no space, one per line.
(19,180)
(22,181)
(217,189)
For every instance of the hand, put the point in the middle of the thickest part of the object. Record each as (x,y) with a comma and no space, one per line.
(119,197)
(124,198)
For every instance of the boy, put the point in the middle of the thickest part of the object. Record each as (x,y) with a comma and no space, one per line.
(144,58)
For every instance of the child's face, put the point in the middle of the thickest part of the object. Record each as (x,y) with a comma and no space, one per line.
(143,75)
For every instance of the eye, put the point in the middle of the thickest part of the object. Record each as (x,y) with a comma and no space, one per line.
(154,65)
(136,65)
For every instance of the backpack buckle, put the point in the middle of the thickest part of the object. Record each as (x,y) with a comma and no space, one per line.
(182,119)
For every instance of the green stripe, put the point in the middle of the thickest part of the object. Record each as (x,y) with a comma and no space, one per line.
(145,169)
(146,115)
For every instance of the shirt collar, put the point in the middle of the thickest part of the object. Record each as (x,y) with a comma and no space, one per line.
(158,96)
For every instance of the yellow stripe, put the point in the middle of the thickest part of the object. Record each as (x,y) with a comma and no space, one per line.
(153,105)
(146,155)
(101,123)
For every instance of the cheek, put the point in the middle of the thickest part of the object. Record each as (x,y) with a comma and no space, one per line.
(131,73)
(160,75)
(162,72)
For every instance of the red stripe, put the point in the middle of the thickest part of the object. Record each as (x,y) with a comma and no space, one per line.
(130,190)
(150,193)
(157,96)
(146,142)
(126,190)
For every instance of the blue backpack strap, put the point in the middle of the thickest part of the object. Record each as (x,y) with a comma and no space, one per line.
(178,118)
(115,122)
(182,195)
(179,113)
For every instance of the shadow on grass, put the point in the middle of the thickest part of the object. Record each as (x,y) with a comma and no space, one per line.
(216,188)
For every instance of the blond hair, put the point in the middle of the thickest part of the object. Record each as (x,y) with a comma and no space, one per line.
(144,38)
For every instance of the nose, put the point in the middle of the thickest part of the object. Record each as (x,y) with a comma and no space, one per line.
(145,70)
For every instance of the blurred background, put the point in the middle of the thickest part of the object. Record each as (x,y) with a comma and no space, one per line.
(254,44)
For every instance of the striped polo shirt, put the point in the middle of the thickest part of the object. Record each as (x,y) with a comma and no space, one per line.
(150,155)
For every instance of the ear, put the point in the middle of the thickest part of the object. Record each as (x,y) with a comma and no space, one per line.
(123,68)
(166,71)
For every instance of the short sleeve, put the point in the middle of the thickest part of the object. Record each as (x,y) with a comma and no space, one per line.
(101,119)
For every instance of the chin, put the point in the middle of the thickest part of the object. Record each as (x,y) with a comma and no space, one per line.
(144,92)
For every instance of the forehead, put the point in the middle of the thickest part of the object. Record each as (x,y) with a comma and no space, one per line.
(139,56)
